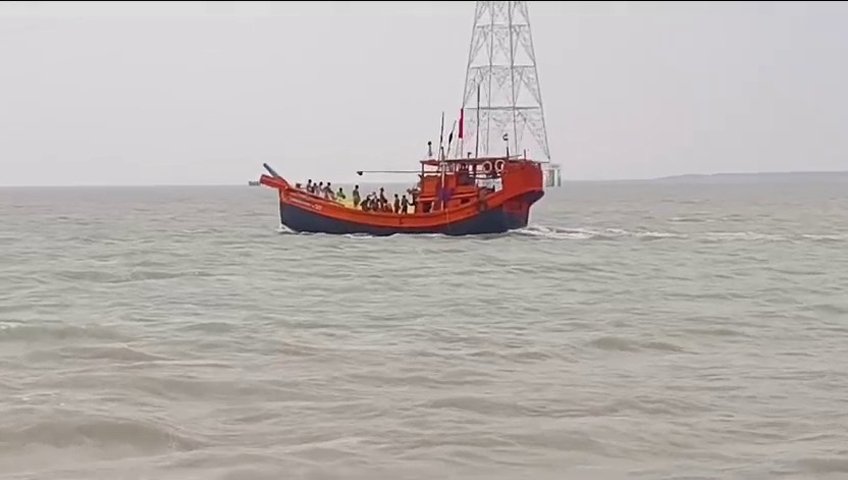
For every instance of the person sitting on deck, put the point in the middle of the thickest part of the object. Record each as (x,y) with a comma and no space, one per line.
(340,195)
(356,198)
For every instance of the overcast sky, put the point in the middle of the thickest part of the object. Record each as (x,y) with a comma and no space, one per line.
(203,93)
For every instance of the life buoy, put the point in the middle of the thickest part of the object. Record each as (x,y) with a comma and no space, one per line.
(487,166)
(499,166)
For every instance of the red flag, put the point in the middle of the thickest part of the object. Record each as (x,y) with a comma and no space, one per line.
(461,121)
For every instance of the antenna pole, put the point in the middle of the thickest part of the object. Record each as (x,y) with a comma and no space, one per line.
(442,138)
(509,7)
(477,135)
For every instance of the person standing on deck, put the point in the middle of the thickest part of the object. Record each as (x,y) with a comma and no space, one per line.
(397,204)
(356,197)
(383,199)
(404,205)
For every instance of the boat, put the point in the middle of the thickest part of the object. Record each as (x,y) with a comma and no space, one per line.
(456,196)
(459,193)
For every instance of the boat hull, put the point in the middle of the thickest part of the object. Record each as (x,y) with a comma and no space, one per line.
(492,221)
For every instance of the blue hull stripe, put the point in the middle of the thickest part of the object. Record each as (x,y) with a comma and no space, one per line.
(488,222)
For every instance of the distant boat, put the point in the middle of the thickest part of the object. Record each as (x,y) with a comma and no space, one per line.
(253,183)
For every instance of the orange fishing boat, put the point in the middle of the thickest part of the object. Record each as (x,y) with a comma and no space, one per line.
(462,196)
(466,194)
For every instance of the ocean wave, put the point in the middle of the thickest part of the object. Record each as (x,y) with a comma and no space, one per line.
(689,220)
(480,405)
(824,465)
(755,236)
(578,233)
(109,353)
(716,332)
(825,237)
(556,233)
(559,233)
(67,430)
(136,275)
(613,343)
(19,331)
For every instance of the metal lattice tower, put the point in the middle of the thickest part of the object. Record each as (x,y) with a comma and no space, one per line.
(502,75)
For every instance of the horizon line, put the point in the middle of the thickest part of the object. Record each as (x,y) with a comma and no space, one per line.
(564,180)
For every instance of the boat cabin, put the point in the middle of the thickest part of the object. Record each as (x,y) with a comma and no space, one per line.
(450,183)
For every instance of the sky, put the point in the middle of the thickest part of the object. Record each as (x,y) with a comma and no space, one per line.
(171,93)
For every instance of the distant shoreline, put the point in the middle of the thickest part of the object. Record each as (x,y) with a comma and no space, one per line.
(754,174)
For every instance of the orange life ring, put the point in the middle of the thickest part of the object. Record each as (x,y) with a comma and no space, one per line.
(499,166)
(487,166)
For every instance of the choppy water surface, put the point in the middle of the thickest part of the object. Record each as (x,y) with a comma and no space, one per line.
(635,330)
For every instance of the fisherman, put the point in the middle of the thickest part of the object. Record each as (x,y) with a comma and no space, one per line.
(397,204)
(319,189)
(383,199)
(340,195)
(309,186)
(413,193)
(404,205)
(356,198)
(328,192)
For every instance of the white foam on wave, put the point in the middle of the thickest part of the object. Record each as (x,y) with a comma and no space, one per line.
(556,233)
(825,237)
(286,230)
(743,236)
(688,220)
(659,235)
(579,233)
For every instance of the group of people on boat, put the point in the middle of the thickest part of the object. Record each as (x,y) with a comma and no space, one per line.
(379,203)
(373,202)
(324,191)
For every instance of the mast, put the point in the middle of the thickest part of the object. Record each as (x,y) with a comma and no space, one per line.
(477,135)
(502,62)
(509,6)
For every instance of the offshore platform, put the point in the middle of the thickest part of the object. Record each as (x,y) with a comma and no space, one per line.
(502,93)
